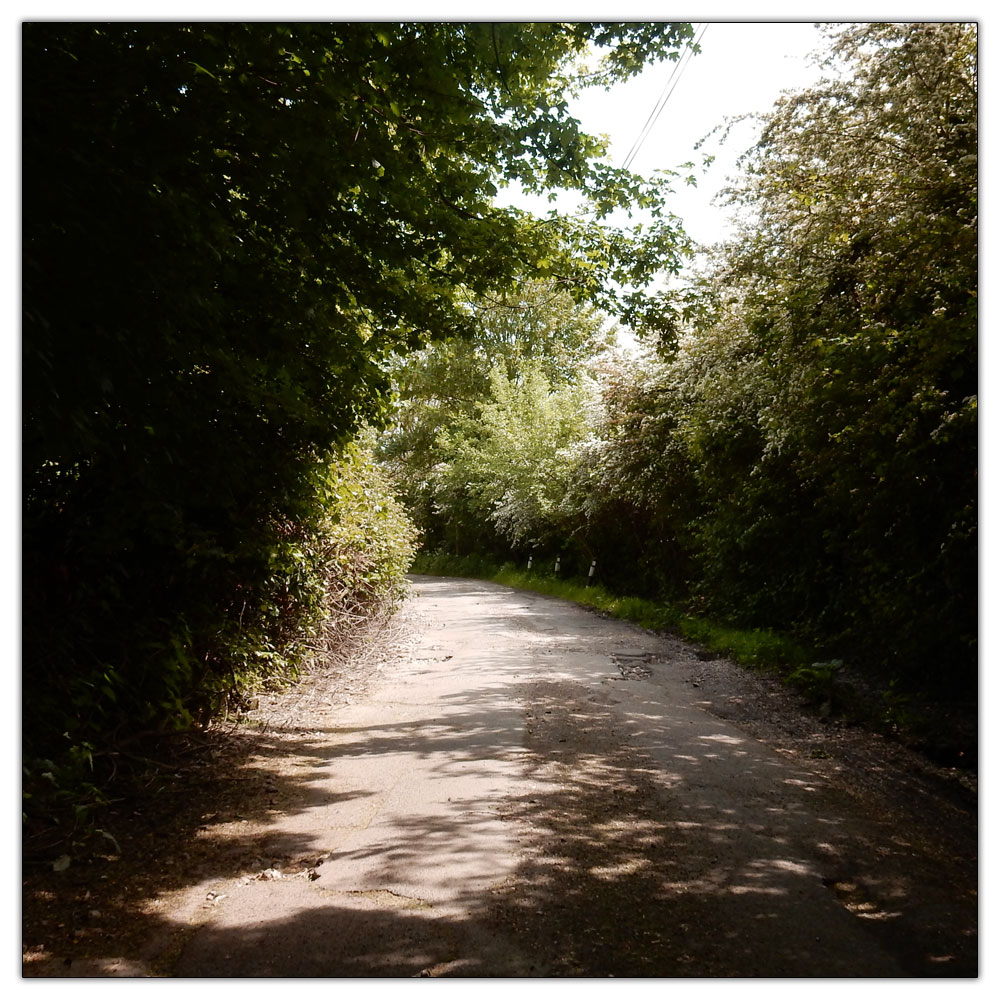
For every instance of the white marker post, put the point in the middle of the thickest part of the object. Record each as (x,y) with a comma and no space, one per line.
(557,565)
(529,564)
(590,575)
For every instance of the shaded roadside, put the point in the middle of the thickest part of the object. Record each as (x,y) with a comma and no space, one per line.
(521,788)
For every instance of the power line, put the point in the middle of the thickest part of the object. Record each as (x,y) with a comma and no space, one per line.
(669,88)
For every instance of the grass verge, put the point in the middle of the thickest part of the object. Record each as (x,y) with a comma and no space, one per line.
(754,647)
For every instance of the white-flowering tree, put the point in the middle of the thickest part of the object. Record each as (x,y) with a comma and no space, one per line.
(512,463)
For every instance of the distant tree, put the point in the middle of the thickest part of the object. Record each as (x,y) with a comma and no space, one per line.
(509,465)
(537,328)
(633,484)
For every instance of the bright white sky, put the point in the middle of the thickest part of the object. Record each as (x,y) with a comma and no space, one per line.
(743,67)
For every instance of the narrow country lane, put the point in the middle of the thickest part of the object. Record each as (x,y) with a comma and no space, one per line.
(507,785)
(536,791)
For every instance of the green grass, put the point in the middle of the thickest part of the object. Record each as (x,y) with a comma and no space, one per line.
(752,647)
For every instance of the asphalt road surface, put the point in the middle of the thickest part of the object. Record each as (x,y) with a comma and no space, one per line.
(535,790)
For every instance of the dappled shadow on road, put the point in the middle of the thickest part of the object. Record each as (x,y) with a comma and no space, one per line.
(657,860)
(364,935)
(237,806)
(669,847)
(648,842)
(210,818)
(642,855)
(194,810)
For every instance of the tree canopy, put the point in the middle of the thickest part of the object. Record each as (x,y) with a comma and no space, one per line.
(856,283)
(478,441)
(228,232)
(803,457)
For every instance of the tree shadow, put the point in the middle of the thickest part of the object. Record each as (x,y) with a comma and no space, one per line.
(629,869)
(646,845)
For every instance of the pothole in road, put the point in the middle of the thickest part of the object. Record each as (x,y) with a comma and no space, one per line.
(633,664)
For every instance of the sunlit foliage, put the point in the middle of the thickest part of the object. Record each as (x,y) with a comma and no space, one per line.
(229,232)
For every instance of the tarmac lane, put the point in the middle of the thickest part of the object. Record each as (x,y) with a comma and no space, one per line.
(534,790)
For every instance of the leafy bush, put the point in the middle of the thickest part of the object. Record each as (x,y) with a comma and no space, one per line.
(367,544)
(295,590)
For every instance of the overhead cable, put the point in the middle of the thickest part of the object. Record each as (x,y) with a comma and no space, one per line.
(669,88)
